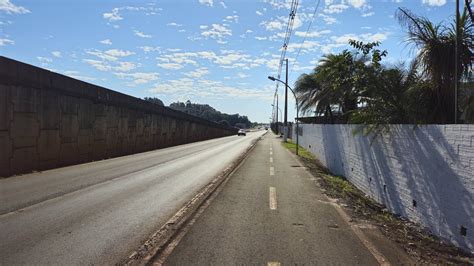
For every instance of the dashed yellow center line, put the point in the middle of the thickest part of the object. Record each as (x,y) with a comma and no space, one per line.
(271,153)
(271,159)
(272,170)
(273,198)
(273,263)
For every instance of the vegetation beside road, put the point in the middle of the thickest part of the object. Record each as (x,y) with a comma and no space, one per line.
(207,112)
(416,241)
(357,87)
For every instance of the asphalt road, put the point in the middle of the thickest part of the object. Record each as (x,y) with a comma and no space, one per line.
(271,212)
(100,212)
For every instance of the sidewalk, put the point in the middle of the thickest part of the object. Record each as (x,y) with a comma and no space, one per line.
(271,211)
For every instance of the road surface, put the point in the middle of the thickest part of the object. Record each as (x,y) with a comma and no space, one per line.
(100,212)
(271,212)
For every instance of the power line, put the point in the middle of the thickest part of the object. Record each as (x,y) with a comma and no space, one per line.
(305,35)
(286,40)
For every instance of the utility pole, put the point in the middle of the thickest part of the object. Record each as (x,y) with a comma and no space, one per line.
(456,63)
(285,132)
(277,117)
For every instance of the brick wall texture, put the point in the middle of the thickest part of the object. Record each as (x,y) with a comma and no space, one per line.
(48,120)
(423,173)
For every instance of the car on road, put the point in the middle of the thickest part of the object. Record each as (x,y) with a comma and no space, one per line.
(242,132)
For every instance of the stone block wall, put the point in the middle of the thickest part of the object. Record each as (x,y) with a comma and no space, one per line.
(48,120)
(423,173)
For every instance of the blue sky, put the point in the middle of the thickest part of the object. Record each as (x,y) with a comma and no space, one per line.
(218,52)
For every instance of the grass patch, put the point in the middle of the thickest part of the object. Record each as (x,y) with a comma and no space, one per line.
(301,151)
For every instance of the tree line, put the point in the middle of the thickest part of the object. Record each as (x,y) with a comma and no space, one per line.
(207,112)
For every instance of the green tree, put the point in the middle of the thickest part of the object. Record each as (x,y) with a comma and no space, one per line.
(331,84)
(436,47)
(154,100)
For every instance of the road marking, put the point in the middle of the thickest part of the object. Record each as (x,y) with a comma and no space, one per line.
(273,263)
(273,198)
(271,159)
(272,170)
(271,153)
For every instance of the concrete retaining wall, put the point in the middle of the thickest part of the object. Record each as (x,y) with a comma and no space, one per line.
(48,120)
(425,173)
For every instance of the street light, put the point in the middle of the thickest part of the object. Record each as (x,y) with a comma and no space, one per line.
(279,109)
(297,108)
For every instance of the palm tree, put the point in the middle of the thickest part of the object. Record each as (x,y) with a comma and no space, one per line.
(337,72)
(330,84)
(436,47)
(311,94)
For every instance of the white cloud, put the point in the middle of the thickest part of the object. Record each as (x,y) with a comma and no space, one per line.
(279,4)
(368,14)
(141,34)
(118,53)
(138,77)
(331,9)
(217,32)
(338,6)
(223,5)
(4,42)
(99,65)
(110,60)
(328,19)
(313,34)
(357,3)
(56,54)
(102,55)
(206,2)
(107,66)
(10,8)
(197,73)
(307,46)
(280,23)
(259,13)
(44,59)
(231,19)
(148,49)
(434,2)
(77,75)
(192,88)
(227,59)
(124,66)
(106,42)
(242,75)
(171,66)
(203,27)
(343,40)
(113,16)
(174,24)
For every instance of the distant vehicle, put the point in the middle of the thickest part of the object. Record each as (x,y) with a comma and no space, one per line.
(242,132)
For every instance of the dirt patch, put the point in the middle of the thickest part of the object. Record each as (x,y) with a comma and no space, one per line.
(418,242)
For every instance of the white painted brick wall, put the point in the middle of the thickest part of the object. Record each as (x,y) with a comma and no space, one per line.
(433,165)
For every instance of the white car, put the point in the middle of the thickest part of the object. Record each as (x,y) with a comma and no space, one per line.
(241,132)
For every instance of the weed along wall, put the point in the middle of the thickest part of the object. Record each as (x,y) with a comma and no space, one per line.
(423,173)
(48,120)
